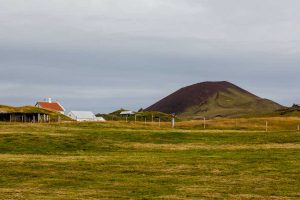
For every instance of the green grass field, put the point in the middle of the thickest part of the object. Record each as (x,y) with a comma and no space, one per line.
(126,161)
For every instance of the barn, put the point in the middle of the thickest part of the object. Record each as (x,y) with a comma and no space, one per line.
(35,117)
(85,116)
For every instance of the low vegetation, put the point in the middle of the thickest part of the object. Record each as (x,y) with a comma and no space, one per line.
(137,161)
(142,116)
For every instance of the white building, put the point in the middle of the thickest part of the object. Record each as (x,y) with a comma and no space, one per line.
(85,116)
(127,113)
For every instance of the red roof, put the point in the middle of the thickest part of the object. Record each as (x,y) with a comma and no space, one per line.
(51,106)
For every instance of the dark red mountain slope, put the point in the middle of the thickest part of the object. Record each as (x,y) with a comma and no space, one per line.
(204,95)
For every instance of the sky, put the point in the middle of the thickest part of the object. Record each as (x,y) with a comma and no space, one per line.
(102,55)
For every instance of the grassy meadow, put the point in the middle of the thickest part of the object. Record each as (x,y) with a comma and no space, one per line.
(230,159)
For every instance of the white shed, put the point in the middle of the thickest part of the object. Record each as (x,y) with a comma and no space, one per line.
(84,116)
(127,113)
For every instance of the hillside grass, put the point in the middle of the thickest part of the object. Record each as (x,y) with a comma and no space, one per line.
(136,161)
(232,103)
(32,109)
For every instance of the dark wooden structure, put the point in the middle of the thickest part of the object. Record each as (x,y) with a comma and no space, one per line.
(24,117)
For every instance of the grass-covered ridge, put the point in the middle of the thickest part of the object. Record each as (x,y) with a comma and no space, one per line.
(135,161)
(140,116)
(33,109)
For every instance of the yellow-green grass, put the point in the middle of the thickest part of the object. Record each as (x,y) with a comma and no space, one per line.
(253,124)
(118,160)
(258,124)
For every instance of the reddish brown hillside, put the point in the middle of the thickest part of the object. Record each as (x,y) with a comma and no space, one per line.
(199,95)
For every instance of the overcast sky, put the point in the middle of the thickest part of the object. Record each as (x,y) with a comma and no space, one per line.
(102,55)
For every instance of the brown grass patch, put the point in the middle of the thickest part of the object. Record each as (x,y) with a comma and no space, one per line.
(192,146)
(254,196)
(51,158)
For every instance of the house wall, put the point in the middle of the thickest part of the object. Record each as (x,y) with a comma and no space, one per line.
(72,116)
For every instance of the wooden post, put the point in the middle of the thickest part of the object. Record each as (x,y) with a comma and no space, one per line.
(145,120)
(298,128)
(266,126)
(152,118)
(204,123)
(159,122)
(134,118)
(173,122)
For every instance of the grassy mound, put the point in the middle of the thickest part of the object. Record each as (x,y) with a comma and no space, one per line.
(32,109)
(140,116)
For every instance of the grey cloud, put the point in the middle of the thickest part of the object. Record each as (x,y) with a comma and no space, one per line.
(107,54)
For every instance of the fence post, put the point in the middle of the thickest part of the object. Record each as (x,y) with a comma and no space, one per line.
(298,128)
(204,123)
(173,120)
(266,126)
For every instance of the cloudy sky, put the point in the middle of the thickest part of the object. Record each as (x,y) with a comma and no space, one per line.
(102,55)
